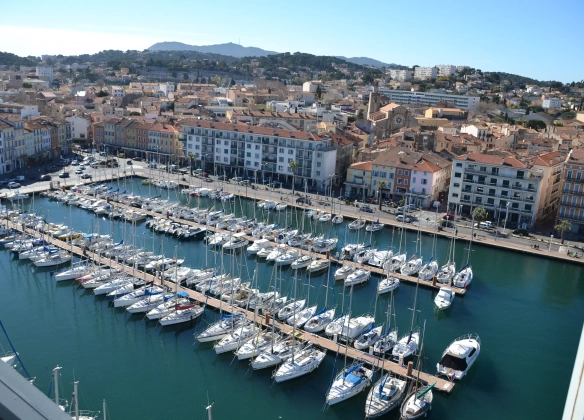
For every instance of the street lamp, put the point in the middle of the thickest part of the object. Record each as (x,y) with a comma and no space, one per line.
(550,246)
(506,217)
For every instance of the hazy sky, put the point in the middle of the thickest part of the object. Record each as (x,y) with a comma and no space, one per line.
(537,38)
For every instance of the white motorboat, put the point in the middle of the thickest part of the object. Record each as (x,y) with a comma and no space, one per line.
(357,277)
(288,257)
(236,338)
(325,217)
(264,252)
(301,363)
(182,313)
(459,356)
(349,382)
(395,262)
(302,262)
(407,345)
(385,343)
(254,347)
(446,273)
(317,266)
(320,320)
(444,298)
(388,284)
(417,403)
(221,328)
(290,309)
(275,253)
(363,256)
(411,266)
(387,393)
(374,226)
(429,270)
(379,258)
(463,278)
(258,245)
(281,207)
(342,272)
(325,245)
(237,241)
(368,338)
(338,219)
(357,224)
(354,327)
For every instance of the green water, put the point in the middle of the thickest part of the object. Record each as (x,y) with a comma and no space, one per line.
(527,311)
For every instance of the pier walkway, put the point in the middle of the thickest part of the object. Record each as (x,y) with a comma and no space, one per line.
(442,384)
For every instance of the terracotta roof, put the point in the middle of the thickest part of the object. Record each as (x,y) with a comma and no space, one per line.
(398,157)
(243,128)
(577,156)
(362,166)
(549,159)
(390,107)
(493,160)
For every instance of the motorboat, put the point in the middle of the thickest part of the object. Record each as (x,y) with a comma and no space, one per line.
(320,320)
(302,262)
(317,266)
(374,226)
(429,270)
(236,242)
(302,363)
(325,217)
(349,250)
(446,273)
(417,403)
(357,277)
(338,219)
(379,258)
(388,284)
(342,272)
(411,266)
(348,383)
(275,253)
(258,245)
(182,313)
(264,252)
(368,338)
(387,393)
(363,256)
(281,207)
(357,224)
(463,278)
(444,298)
(459,356)
(354,327)
(325,245)
(407,345)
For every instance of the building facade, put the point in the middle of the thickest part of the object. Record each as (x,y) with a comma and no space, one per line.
(572,203)
(429,98)
(401,75)
(425,73)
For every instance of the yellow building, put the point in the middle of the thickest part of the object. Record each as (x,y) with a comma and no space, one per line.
(448,113)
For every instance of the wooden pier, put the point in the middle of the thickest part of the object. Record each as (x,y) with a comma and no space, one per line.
(327,344)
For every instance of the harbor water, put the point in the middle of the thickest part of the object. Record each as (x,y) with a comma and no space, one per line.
(528,312)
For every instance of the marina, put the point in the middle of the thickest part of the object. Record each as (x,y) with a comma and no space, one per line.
(316,382)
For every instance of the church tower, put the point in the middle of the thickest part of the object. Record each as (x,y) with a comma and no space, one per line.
(374,101)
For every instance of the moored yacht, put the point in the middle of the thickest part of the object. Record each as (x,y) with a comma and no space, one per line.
(459,356)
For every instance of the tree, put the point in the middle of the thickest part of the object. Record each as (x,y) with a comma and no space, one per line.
(536,125)
(479,214)
(101,94)
(382,185)
(192,156)
(318,92)
(26,85)
(134,114)
(293,165)
(562,227)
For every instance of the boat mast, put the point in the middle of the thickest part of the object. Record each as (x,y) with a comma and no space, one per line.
(56,383)
(76,399)
(105,408)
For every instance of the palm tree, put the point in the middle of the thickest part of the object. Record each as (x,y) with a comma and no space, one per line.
(382,185)
(192,156)
(562,227)
(293,166)
(479,214)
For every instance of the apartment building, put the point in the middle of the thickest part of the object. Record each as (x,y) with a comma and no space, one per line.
(446,69)
(401,75)
(264,152)
(302,122)
(523,190)
(45,73)
(358,181)
(572,204)
(6,138)
(551,103)
(425,73)
(429,98)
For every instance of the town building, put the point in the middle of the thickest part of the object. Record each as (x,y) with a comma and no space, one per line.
(452,114)
(358,180)
(522,190)
(572,204)
(302,122)
(400,75)
(430,99)
(446,69)
(551,103)
(45,73)
(425,73)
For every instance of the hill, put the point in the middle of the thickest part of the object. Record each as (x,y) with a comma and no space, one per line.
(366,61)
(234,50)
(10,59)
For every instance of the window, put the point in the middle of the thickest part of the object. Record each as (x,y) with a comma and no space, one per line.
(424,181)
(257,155)
(483,169)
(515,206)
(492,192)
(280,168)
(319,155)
(317,173)
(197,147)
(456,185)
(520,174)
(414,180)
(290,151)
(280,159)
(248,154)
(318,164)
(247,163)
(459,164)
(257,147)
(281,150)
(528,207)
(579,176)
(218,150)
(249,146)
(399,171)
(423,190)
(399,180)
(457,175)
(504,193)
(491,201)
(455,194)
(391,175)
(415,172)
(375,173)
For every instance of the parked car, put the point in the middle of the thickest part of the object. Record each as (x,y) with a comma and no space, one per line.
(129,162)
(237,179)
(523,232)
(78,172)
(74,163)
(403,218)
(484,225)
(244,182)
(86,176)
(366,209)
(45,177)
(447,224)
(448,216)
(64,175)
(152,165)
(13,184)
(137,159)
(222,178)
(94,165)
(303,200)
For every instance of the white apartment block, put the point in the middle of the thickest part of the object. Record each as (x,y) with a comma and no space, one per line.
(405,97)
(45,73)
(261,153)
(522,191)
(446,69)
(401,75)
(551,103)
(80,126)
(461,68)
(117,91)
(425,73)
(167,88)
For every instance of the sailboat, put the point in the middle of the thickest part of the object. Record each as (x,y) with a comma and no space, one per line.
(448,270)
(385,395)
(444,298)
(430,268)
(301,363)
(408,344)
(387,341)
(321,319)
(349,382)
(464,277)
(419,401)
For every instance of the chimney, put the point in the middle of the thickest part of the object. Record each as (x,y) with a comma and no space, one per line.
(551,162)
(502,161)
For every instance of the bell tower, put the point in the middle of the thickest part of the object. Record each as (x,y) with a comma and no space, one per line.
(374,101)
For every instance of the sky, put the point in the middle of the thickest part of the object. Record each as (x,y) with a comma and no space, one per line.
(537,38)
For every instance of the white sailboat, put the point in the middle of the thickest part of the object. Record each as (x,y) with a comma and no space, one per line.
(448,270)
(301,363)
(349,382)
(385,395)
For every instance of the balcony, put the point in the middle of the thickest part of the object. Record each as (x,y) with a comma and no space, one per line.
(572,179)
(568,193)
(577,219)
